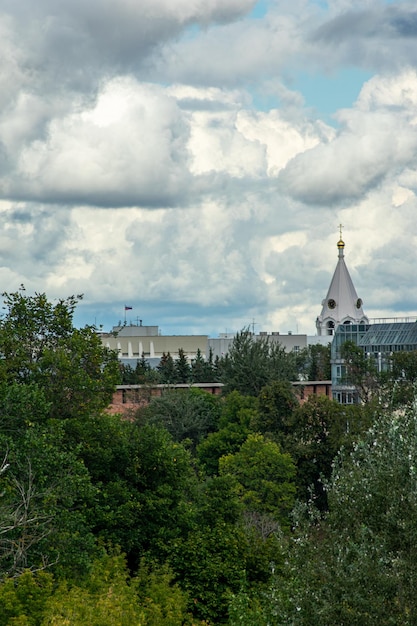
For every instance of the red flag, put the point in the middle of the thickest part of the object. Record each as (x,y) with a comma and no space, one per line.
(128,308)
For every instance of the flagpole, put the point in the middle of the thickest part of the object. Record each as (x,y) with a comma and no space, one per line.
(127,308)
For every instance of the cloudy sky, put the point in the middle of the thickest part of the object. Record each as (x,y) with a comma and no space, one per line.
(193,159)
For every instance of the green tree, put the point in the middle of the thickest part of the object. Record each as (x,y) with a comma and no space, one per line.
(45,490)
(356,564)
(265,475)
(144,484)
(210,565)
(182,368)
(253,363)
(316,431)
(188,414)
(402,375)
(314,362)
(202,370)
(40,345)
(23,599)
(361,372)
(238,412)
(166,370)
(277,402)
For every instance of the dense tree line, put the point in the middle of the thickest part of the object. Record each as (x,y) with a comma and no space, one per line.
(250,365)
(247,508)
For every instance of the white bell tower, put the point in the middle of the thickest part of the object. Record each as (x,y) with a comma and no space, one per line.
(341,304)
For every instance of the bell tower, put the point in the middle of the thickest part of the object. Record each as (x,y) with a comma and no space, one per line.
(341,304)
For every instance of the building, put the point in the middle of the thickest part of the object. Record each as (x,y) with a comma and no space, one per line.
(341,304)
(132,342)
(221,345)
(378,341)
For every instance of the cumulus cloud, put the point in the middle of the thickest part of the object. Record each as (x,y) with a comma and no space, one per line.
(369,35)
(129,149)
(376,138)
(157,154)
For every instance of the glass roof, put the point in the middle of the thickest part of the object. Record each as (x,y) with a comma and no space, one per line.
(390,334)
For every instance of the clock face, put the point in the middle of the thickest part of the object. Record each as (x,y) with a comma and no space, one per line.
(358,303)
(331,303)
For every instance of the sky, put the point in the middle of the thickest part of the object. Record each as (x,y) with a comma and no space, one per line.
(193,159)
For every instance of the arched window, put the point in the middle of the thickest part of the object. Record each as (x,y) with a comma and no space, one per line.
(330,327)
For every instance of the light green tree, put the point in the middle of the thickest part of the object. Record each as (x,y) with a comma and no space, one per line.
(265,476)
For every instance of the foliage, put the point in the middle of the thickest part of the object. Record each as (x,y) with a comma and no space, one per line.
(277,402)
(361,372)
(182,368)
(40,346)
(23,599)
(265,476)
(44,493)
(210,563)
(253,363)
(314,362)
(166,370)
(316,430)
(105,596)
(202,370)
(403,378)
(188,414)
(142,374)
(238,412)
(356,564)
(143,482)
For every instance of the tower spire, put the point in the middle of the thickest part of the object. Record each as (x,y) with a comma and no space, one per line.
(340,243)
(341,305)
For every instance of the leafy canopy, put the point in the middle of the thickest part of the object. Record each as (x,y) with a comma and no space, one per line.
(40,345)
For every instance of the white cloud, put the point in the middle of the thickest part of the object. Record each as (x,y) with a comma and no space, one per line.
(187,108)
(377,138)
(130,148)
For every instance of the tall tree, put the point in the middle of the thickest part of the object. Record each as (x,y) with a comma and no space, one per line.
(265,475)
(253,363)
(40,345)
(182,368)
(166,370)
(188,414)
(314,362)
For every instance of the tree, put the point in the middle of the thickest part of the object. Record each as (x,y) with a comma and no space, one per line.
(144,484)
(356,563)
(314,362)
(166,370)
(402,379)
(265,475)
(187,414)
(316,431)
(253,363)
(277,402)
(202,370)
(45,490)
(361,372)
(182,368)
(40,346)
(238,412)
